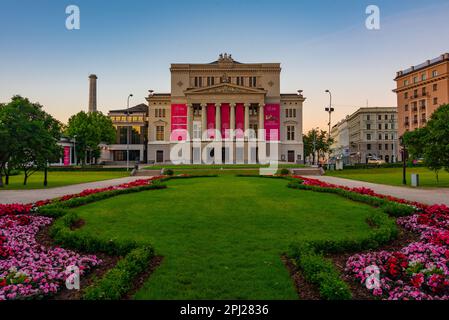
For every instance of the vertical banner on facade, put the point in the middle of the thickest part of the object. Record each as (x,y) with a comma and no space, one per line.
(211,121)
(225,120)
(66,156)
(178,122)
(272,122)
(239,120)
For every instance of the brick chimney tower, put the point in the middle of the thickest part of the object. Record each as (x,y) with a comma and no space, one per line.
(93,93)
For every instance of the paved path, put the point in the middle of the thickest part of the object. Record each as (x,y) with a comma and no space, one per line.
(29,196)
(428,196)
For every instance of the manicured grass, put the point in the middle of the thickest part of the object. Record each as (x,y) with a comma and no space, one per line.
(393,176)
(222,238)
(219,166)
(60,178)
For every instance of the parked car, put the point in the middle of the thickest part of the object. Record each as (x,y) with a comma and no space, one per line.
(374,160)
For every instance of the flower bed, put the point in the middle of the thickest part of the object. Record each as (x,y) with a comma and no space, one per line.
(419,271)
(28,269)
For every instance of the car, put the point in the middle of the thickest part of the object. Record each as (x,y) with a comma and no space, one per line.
(374,160)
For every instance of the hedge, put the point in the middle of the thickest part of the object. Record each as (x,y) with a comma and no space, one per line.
(320,271)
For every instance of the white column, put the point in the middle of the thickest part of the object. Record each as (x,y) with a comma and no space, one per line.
(232,119)
(203,118)
(190,121)
(261,122)
(246,125)
(218,118)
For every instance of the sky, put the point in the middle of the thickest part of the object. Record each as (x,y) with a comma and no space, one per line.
(129,45)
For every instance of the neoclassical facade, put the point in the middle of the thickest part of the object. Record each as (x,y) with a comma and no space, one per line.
(225,112)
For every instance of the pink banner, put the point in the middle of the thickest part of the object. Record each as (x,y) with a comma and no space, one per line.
(66,156)
(272,122)
(239,120)
(178,122)
(225,119)
(211,121)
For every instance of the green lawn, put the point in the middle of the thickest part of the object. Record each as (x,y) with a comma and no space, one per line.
(60,178)
(393,176)
(222,238)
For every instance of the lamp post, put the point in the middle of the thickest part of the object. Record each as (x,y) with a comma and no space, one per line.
(404,160)
(329,110)
(74,150)
(127,132)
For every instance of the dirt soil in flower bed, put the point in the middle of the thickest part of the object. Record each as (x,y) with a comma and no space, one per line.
(305,290)
(108,262)
(359,292)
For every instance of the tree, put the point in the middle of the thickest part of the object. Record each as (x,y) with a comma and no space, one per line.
(432,141)
(316,143)
(89,130)
(29,137)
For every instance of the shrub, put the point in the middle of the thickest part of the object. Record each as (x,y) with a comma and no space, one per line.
(119,280)
(168,172)
(284,172)
(320,272)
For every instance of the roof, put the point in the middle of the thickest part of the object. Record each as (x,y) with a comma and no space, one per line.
(138,108)
(428,63)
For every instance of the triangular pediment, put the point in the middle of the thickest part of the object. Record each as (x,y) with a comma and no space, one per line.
(224,88)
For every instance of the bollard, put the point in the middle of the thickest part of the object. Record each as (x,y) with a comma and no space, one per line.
(415,180)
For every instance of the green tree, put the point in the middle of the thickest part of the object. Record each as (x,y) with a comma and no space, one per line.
(432,141)
(29,137)
(316,144)
(89,130)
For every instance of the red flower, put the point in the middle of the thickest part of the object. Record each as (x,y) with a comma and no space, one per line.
(417,280)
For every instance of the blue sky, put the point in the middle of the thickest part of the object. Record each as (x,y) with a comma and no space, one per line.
(130,45)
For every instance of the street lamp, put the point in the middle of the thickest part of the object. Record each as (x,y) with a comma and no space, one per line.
(127,132)
(329,110)
(404,160)
(74,150)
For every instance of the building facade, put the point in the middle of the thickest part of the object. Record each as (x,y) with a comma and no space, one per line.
(131,134)
(373,134)
(340,146)
(420,91)
(225,112)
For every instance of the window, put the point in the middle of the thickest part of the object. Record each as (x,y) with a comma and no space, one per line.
(386,117)
(435,101)
(368,127)
(290,133)
(379,117)
(210,81)
(415,79)
(392,117)
(406,107)
(379,126)
(415,93)
(386,136)
(405,82)
(380,136)
(405,95)
(423,77)
(434,73)
(368,136)
(252,82)
(197,130)
(240,81)
(386,146)
(159,133)
(435,87)
(380,147)
(159,113)
(198,81)
(290,113)
(368,117)
(386,126)
(368,146)
(424,91)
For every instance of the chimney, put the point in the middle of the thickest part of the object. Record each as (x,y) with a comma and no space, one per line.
(92,93)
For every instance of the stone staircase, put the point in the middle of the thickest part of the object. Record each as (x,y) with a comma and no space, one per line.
(147,173)
(307,171)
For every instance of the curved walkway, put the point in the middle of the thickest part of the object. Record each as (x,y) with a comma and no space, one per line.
(428,196)
(29,196)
